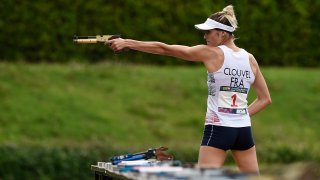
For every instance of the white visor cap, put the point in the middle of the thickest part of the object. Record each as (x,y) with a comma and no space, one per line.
(212,24)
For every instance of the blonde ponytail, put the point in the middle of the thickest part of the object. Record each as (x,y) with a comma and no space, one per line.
(226,17)
(228,13)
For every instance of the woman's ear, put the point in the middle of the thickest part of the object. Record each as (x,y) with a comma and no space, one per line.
(223,34)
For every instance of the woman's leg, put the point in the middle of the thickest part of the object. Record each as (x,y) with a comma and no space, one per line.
(210,157)
(246,160)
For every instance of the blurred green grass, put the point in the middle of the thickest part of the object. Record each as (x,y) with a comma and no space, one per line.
(133,107)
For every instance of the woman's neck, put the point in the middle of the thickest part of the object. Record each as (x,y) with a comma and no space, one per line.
(230,44)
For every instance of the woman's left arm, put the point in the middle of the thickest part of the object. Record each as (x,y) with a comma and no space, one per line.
(260,87)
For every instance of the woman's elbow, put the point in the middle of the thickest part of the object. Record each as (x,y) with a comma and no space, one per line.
(268,101)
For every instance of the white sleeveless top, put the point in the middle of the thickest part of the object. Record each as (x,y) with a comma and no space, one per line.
(228,89)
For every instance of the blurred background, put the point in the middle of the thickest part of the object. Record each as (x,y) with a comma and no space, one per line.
(65,106)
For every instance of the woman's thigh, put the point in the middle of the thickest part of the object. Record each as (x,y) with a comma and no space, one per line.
(246,160)
(210,157)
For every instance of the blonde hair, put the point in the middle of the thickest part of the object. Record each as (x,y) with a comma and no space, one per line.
(226,16)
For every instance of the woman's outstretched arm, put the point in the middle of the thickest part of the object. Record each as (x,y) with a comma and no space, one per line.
(193,53)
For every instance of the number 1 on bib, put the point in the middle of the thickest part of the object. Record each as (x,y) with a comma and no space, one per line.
(234,98)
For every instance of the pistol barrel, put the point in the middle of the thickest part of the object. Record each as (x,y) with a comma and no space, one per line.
(84,39)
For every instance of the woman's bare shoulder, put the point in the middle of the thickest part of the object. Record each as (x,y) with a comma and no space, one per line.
(253,63)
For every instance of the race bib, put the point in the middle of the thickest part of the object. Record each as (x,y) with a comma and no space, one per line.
(232,100)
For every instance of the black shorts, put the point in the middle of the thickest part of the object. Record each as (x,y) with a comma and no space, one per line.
(226,138)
